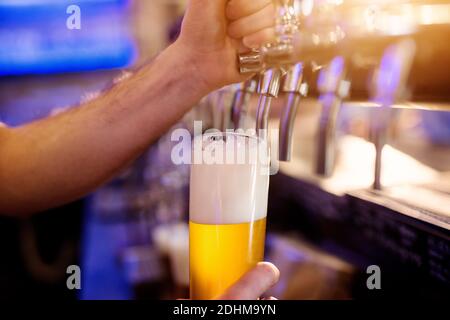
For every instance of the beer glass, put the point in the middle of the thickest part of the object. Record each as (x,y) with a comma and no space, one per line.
(227,210)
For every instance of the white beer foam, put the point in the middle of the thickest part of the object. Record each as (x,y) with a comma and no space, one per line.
(229,193)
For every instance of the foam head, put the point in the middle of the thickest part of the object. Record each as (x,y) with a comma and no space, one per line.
(229,192)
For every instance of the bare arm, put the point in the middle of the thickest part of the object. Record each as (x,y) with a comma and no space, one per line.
(58,159)
(61,158)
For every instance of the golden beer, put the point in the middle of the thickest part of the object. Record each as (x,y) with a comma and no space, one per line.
(227,220)
(221,254)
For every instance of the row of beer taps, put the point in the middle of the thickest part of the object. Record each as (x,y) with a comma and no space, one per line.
(321,46)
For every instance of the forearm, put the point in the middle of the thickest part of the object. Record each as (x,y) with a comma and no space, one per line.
(58,159)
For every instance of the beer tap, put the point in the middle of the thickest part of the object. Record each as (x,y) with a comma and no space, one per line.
(221,102)
(269,87)
(240,105)
(333,88)
(295,88)
(272,61)
(216,103)
(389,86)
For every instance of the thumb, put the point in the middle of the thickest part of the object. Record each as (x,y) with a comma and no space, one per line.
(254,283)
(208,11)
(205,23)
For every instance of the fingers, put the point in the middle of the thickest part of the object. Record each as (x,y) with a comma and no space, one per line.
(255,22)
(254,283)
(251,22)
(237,9)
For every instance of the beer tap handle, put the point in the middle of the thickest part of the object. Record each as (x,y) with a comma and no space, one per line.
(273,59)
(286,26)
(279,53)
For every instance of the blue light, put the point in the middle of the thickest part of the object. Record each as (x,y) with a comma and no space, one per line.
(35,38)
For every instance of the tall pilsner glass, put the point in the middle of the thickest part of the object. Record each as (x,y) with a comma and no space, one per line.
(227,213)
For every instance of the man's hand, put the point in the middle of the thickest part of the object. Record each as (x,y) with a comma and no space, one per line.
(254,283)
(215,31)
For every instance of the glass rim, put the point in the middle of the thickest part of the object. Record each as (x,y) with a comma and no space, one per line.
(251,143)
(225,133)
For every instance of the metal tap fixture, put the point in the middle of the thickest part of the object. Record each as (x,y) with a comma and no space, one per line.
(389,87)
(280,52)
(250,62)
(221,102)
(272,61)
(295,88)
(333,88)
(239,107)
(278,57)
(269,87)
(359,31)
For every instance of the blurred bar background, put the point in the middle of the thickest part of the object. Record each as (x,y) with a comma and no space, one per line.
(130,237)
